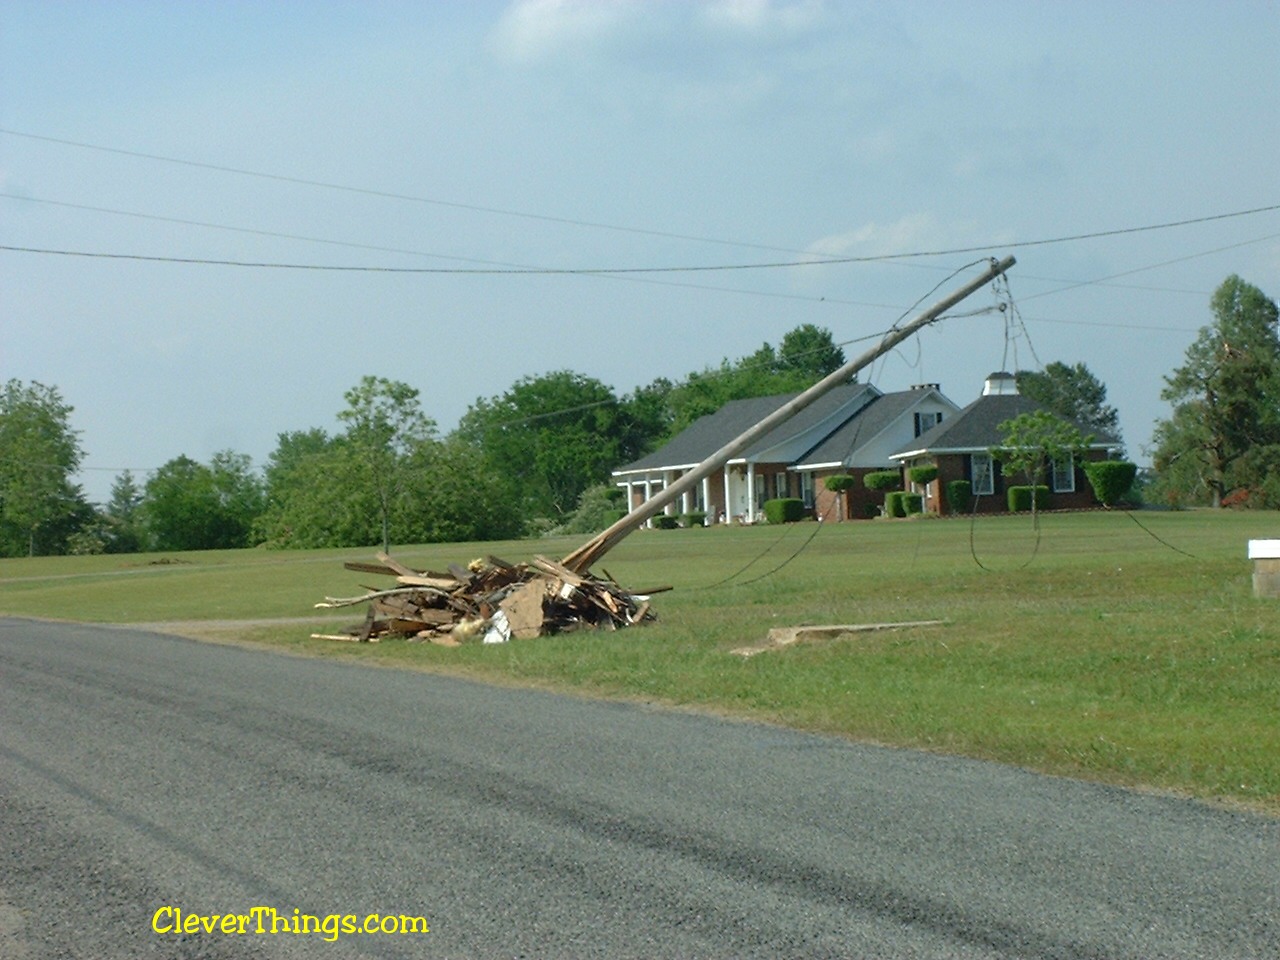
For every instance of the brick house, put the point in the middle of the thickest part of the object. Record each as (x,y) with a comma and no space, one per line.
(852,429)
(960,447)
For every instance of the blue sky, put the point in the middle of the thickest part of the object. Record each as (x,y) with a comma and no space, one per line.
(606,135)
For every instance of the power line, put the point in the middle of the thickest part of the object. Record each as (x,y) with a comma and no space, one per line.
(388,195)
(808,298)
(624,271)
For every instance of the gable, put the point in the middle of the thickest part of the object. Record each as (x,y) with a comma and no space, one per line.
(876,433)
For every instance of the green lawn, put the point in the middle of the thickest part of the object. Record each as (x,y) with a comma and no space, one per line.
(1093,648)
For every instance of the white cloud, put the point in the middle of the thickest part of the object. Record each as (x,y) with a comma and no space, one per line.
(916,231)
(761,16)
(534,30)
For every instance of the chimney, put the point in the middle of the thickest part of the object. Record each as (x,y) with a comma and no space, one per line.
(1000,385)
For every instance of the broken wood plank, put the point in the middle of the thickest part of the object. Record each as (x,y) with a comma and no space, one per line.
(780,637)
(524,610)
(397,566)
(547,565)
(419,580)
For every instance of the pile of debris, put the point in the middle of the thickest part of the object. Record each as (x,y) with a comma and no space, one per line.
(489,601)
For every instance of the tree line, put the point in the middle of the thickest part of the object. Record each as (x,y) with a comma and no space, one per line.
(529,460)
(518,463)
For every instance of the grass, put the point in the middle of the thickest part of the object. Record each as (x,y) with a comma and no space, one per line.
(1089,648)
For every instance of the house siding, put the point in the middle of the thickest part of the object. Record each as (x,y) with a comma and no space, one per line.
(859,503)
(956,466)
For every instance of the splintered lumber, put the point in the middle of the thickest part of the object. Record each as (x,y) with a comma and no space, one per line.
(489,600)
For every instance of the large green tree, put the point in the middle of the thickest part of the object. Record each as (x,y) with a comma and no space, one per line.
(806,355)
(385,428)
(1226,400)
(1073,393)
(39,453)
(191,506)
(122,525)
(551,437)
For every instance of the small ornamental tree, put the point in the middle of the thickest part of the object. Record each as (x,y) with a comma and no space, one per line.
(1110,479)
(882,480)
(840,484)
(923,475)
(1032,441)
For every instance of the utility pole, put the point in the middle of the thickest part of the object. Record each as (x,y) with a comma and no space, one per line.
(581,559)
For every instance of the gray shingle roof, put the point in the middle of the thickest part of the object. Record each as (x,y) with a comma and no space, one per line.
(863,427)
(977,426)
(708,434)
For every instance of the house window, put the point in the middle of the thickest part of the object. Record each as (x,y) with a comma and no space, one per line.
(983,474)
(927,421)
(780,485)
(806,488)
(1064,475)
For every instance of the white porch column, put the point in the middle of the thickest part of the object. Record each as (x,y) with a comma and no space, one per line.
(706,500)
(728,504)
(751,492)
(648,495)
(668,478)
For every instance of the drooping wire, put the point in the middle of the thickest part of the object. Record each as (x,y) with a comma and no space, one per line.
(852,447)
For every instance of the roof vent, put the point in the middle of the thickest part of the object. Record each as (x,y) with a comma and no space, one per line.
(1000,385)
(926,386)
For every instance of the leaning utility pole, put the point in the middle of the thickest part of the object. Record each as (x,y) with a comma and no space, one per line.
(591,551)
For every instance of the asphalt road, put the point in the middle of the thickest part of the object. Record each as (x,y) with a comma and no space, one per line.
(140,774)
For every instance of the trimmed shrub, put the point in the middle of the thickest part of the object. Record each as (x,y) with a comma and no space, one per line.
(694,518)
(665,521)
(882,480)
(912,503)
(893,506)
(840,482)
(616,495)
(923,474)
(1020,498)
(611,517)
(784,510)
(960,496)
(1110,479)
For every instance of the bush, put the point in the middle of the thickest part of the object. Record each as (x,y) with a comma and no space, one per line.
(882,480)
(923,475)
(960,496)
(694,518)
(666,521)
(1110,479)
(784,510)
(840,482)
(1020,498)
(598,507)
(893,506)
(911,503)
